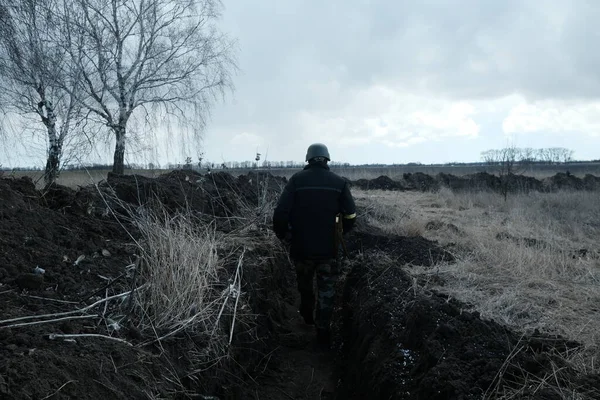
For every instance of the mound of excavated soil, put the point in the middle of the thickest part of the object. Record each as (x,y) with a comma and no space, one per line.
(510,183)
(381,183)
(420,181)
(219,195)
(400,342)
(570,182)
(32,234)
(84,253)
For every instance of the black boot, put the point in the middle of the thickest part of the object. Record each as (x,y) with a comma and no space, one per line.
(324,339)
(307,313)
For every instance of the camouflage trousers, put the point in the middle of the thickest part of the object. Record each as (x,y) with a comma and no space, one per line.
(326,272)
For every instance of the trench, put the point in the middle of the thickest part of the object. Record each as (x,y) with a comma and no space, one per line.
(364,360)
(393,339)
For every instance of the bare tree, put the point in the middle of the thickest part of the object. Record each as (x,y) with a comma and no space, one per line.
(161,56)
(490,156)
(527,156)
(557,155)
(506,159)
(31,64)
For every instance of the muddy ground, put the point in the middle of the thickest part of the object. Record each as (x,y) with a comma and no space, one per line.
(393,339)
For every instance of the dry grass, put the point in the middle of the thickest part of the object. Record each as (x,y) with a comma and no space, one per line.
(534,276)
(389,212)
(519,262)
(193,278)
(181,265)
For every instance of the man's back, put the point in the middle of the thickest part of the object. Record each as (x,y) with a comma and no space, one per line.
(307,210)
(310,203)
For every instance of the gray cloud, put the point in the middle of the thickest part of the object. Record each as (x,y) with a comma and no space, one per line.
(460,49)
(321,58)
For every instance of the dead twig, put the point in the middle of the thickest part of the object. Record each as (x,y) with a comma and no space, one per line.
(67,313)
(53,336)
(49,321)
(49,299)
(57,390)
(238,280)
(110,283)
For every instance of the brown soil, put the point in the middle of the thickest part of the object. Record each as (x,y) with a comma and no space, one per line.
(392,339)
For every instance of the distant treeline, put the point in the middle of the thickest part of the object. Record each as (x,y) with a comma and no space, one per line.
(245,165)
(528,155)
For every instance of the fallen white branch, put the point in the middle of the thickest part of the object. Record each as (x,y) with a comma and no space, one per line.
(68,313)
(48,321)
(49,299)
(229,293)
(238,279)
(57,390)
(53,336)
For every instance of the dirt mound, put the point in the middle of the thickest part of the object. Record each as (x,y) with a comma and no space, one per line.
(420,181)
(33,234)
(400,342)
(381,183)
(37,232)
(510,183)
(56,255)
(476,181)
(522,184)
(564,181)
(481,181)
(218,194)
(591,182)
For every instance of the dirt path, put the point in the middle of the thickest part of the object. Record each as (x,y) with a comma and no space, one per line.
(299,370)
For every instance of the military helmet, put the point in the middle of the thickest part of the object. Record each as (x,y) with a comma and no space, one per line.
(317,150)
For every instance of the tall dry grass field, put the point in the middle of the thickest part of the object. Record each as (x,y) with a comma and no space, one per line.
(531,262)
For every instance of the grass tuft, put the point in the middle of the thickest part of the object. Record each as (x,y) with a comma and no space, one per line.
(181,265)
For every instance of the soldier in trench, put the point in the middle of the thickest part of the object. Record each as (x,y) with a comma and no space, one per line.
(305,217)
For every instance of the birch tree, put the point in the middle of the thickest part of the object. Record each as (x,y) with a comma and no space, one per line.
(32,60)
(160,56)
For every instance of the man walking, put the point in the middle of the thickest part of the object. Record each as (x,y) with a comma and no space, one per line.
(306,216)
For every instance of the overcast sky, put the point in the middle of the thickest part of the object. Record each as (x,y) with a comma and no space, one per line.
(409,81)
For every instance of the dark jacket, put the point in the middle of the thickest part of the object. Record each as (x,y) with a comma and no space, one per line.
(307,208)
